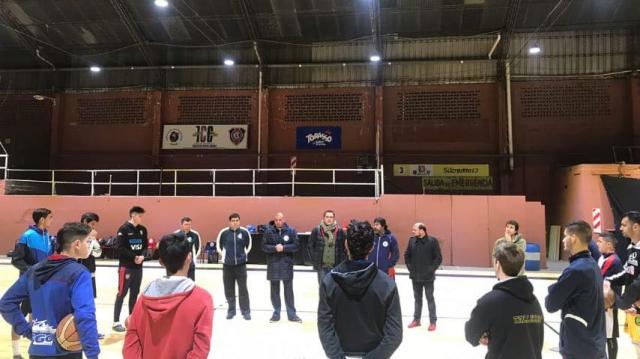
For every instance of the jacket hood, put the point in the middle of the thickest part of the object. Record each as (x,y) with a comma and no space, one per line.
(354,277)
(164,295)
(36,229)
(519,287)
(51,266)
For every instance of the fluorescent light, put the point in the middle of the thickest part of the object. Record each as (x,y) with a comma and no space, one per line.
(229,62)
(38,97)
(95,69)
(535,49)
(374,58)
(161,3)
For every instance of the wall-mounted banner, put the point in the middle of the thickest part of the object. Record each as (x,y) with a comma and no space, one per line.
(318,138)
(216,137)
(440,170)
(432,183)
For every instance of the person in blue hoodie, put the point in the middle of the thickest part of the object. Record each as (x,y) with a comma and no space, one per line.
(34,245)
(385,253)
(578,293)
(57,286)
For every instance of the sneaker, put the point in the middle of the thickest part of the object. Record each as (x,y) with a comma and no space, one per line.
(117,327)
(231,315)
(295,319)
(413,324)
(246,316)
(17,356)
(100,336)
(432,327)
(274,318)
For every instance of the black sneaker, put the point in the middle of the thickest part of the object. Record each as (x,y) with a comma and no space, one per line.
(274,318)
(295,319)
(231,315)
(17,356)
(117,327)
(246,316)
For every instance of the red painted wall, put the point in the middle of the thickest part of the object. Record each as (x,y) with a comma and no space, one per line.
(466,226)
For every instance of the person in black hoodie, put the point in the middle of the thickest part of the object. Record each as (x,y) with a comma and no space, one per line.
(132,245)
(326,244)
(423,257)
(517,329)
(359,310)
(579,294)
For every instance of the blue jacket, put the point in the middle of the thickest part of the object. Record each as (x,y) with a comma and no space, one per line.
(385,251)
(578,293)
(280,264)
(234,246)
(56,287)
(33,246)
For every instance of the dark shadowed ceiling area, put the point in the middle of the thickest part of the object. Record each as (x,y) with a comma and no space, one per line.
(77,33)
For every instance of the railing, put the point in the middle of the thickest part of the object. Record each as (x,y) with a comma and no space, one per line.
(625,153)
(103,182)
(4,162)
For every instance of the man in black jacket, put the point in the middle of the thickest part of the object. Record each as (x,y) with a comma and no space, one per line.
(132,245)
(359,310)
(326,245)
(423,257)
(516,330)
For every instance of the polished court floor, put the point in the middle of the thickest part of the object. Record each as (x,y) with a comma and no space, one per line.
(456,292)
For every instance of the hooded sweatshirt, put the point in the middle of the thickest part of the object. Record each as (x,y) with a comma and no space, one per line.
(33,246)
(172,319)
(359,312)
(514,331)
(56,287)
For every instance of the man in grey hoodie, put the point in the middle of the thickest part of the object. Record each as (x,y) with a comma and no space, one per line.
(359,311)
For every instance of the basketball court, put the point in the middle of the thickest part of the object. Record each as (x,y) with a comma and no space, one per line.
(456,293)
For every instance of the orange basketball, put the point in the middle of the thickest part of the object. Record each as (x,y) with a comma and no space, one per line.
(67,335)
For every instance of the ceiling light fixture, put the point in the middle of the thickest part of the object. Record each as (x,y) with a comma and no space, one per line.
(95,69)
(161,3)
(535,49)
(374,58)
(229,62)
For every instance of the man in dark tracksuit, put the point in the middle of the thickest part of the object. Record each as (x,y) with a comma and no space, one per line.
(423,257)
(359,310)
(194,238)
(629,276)
(34,246)
(516,330)
(326,244)
(234,244)
(132,245)
(279,243)
(579,294)
(385,253)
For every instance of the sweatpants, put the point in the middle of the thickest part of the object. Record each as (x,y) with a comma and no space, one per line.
(230,276)
(129,280)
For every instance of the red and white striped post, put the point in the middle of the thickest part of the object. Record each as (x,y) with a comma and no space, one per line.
(597,220)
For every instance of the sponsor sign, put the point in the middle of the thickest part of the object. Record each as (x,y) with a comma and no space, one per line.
(310,138)
(217,137)
(441,170)
(433,183)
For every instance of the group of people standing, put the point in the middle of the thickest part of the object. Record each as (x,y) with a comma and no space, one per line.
(359,310)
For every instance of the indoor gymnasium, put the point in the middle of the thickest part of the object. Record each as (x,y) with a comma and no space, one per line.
(320,179)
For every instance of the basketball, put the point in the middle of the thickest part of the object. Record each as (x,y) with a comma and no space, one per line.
(67,335)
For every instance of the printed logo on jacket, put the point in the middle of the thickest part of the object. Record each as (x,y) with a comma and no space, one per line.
(318,138)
